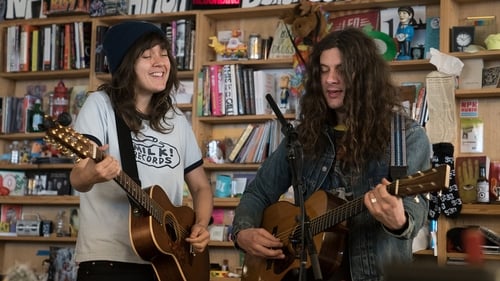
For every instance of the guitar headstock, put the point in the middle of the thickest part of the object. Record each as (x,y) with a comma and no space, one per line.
(68,141)
(434,179)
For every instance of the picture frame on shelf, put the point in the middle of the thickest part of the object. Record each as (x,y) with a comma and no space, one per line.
(461,37)
(10,214)
(491,75)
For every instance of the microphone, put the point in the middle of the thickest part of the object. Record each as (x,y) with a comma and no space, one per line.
(285,126)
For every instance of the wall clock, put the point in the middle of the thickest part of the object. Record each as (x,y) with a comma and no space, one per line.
(461,37)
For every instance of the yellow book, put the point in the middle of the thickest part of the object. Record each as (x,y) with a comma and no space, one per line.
(34,49)
(241,141)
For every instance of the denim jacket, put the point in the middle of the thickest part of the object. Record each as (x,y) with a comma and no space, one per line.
(370,244)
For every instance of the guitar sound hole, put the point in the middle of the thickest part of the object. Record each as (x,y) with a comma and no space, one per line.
(171,232)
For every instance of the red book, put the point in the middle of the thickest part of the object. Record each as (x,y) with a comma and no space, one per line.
(67,47)
(216,95)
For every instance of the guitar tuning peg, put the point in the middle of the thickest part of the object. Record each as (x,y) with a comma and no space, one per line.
(64,119)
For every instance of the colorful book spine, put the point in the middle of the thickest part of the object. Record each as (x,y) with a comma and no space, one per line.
(25,47)
(215,93)
(35,41)
(240,142)
(229,87)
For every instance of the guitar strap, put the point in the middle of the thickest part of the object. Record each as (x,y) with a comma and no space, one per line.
(398,167)
(127,153)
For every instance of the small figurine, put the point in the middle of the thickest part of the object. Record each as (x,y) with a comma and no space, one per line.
(234,48)
(284,92)
(405,32)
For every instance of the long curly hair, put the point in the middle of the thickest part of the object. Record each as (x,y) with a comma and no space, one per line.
(369,103)
(121,87)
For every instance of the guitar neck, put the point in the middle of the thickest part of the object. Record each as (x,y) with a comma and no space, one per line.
(84,148)
(337,215)
(138,197)
(431,180)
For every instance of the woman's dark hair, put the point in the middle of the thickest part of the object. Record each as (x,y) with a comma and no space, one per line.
(121,88)
(369,102)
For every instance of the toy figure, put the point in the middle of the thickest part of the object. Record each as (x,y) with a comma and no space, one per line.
(405,32)
(284,92)
(234,48)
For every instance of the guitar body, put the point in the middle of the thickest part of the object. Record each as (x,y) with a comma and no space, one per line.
(164,244)
(282,218)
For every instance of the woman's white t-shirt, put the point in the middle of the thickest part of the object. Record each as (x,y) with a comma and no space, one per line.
(161,160)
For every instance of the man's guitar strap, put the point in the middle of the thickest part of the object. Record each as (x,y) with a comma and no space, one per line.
(398,167)
(127,153)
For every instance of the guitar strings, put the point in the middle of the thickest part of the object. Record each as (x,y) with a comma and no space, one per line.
(329,219)
(83,148)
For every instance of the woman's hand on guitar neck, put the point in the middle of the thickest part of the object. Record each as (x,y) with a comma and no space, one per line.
(88,172)
(259,242)
(386,208)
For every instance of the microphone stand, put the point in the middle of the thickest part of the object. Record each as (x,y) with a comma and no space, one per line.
(295,158)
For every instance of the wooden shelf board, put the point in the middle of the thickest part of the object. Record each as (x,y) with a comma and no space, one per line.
(41,200)
(218,202)
(23,136)
(477,93)
(45,75)
(49,166)
(481,209)
(37,239)
(485,55)
(426,252)
(241,118)
(227,244)
(411,65)
(185,106)
(463,256)
(231,166)
(260,64)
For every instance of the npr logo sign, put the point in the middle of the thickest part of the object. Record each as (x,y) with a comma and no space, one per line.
(23,9)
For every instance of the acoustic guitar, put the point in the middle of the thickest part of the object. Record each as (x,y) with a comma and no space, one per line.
(157,228)
(327,214)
